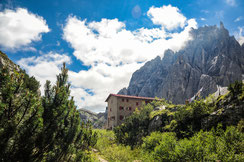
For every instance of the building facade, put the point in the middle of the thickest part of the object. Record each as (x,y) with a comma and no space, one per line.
(121,106)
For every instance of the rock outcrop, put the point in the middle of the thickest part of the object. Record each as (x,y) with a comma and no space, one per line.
(6,62)
(229,110)
(97,120)
(212,58)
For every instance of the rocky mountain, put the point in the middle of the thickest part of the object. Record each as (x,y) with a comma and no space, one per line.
(97,120)
(29,82)
(210,60)
(5,61)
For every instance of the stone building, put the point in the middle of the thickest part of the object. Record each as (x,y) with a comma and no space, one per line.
(122,106)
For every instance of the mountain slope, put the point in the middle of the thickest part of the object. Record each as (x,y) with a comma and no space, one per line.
(212,58)
(97,120)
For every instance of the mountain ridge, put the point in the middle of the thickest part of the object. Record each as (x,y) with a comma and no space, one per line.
(212,58)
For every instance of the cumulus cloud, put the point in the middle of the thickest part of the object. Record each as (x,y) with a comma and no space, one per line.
(167,16)
(19,28)
(90,88)
(114,53)
(44,67)
(231,2)
(238,19)
(240,35)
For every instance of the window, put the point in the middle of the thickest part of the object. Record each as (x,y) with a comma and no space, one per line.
(123,100)
(127,100)
(121,108)
(110,109)
(137,103)
(113,118)
(128,108)
(121,117)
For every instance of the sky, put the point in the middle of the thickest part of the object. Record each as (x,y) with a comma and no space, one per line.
(103,42)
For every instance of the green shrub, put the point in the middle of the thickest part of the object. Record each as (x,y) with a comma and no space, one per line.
(240,125)
(203,146)
(112,151)
(134,128)
(150,142)
(236,88)
(165,150)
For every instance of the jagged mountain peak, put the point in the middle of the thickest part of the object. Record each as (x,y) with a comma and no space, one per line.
(212,58)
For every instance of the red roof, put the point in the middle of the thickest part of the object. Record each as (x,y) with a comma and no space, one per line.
(127,96)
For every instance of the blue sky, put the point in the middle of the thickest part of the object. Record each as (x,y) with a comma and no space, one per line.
(104,41)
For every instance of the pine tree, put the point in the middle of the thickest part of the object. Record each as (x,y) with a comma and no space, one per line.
(62,138)
(35,128)
(20,117)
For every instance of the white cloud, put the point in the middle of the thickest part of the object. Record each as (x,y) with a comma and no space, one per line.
(101,80)
(114,53)
(238,19)
(203,19)
(231,2)
(240,35)
(107,28)
(44,67)
(19,28)
(167,16)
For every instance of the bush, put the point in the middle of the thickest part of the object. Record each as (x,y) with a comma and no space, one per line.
(112,151)
(150,142)
(165,150)
(134,128)
(203,146)
(236,88)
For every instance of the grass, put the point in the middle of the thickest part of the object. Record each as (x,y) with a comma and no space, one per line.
(111,151)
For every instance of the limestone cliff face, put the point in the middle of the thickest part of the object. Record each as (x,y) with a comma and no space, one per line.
(212,58)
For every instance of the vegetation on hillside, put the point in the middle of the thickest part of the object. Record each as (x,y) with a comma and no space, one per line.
(35,128)
(213,145)
(48,128)
(206,130)
(110,150)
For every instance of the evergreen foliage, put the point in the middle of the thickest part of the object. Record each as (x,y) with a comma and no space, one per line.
(34,128)
(20,117)
(62,136)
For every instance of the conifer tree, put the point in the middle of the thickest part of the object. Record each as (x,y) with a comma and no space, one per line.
(35,128)
(20,117)
(62,135)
